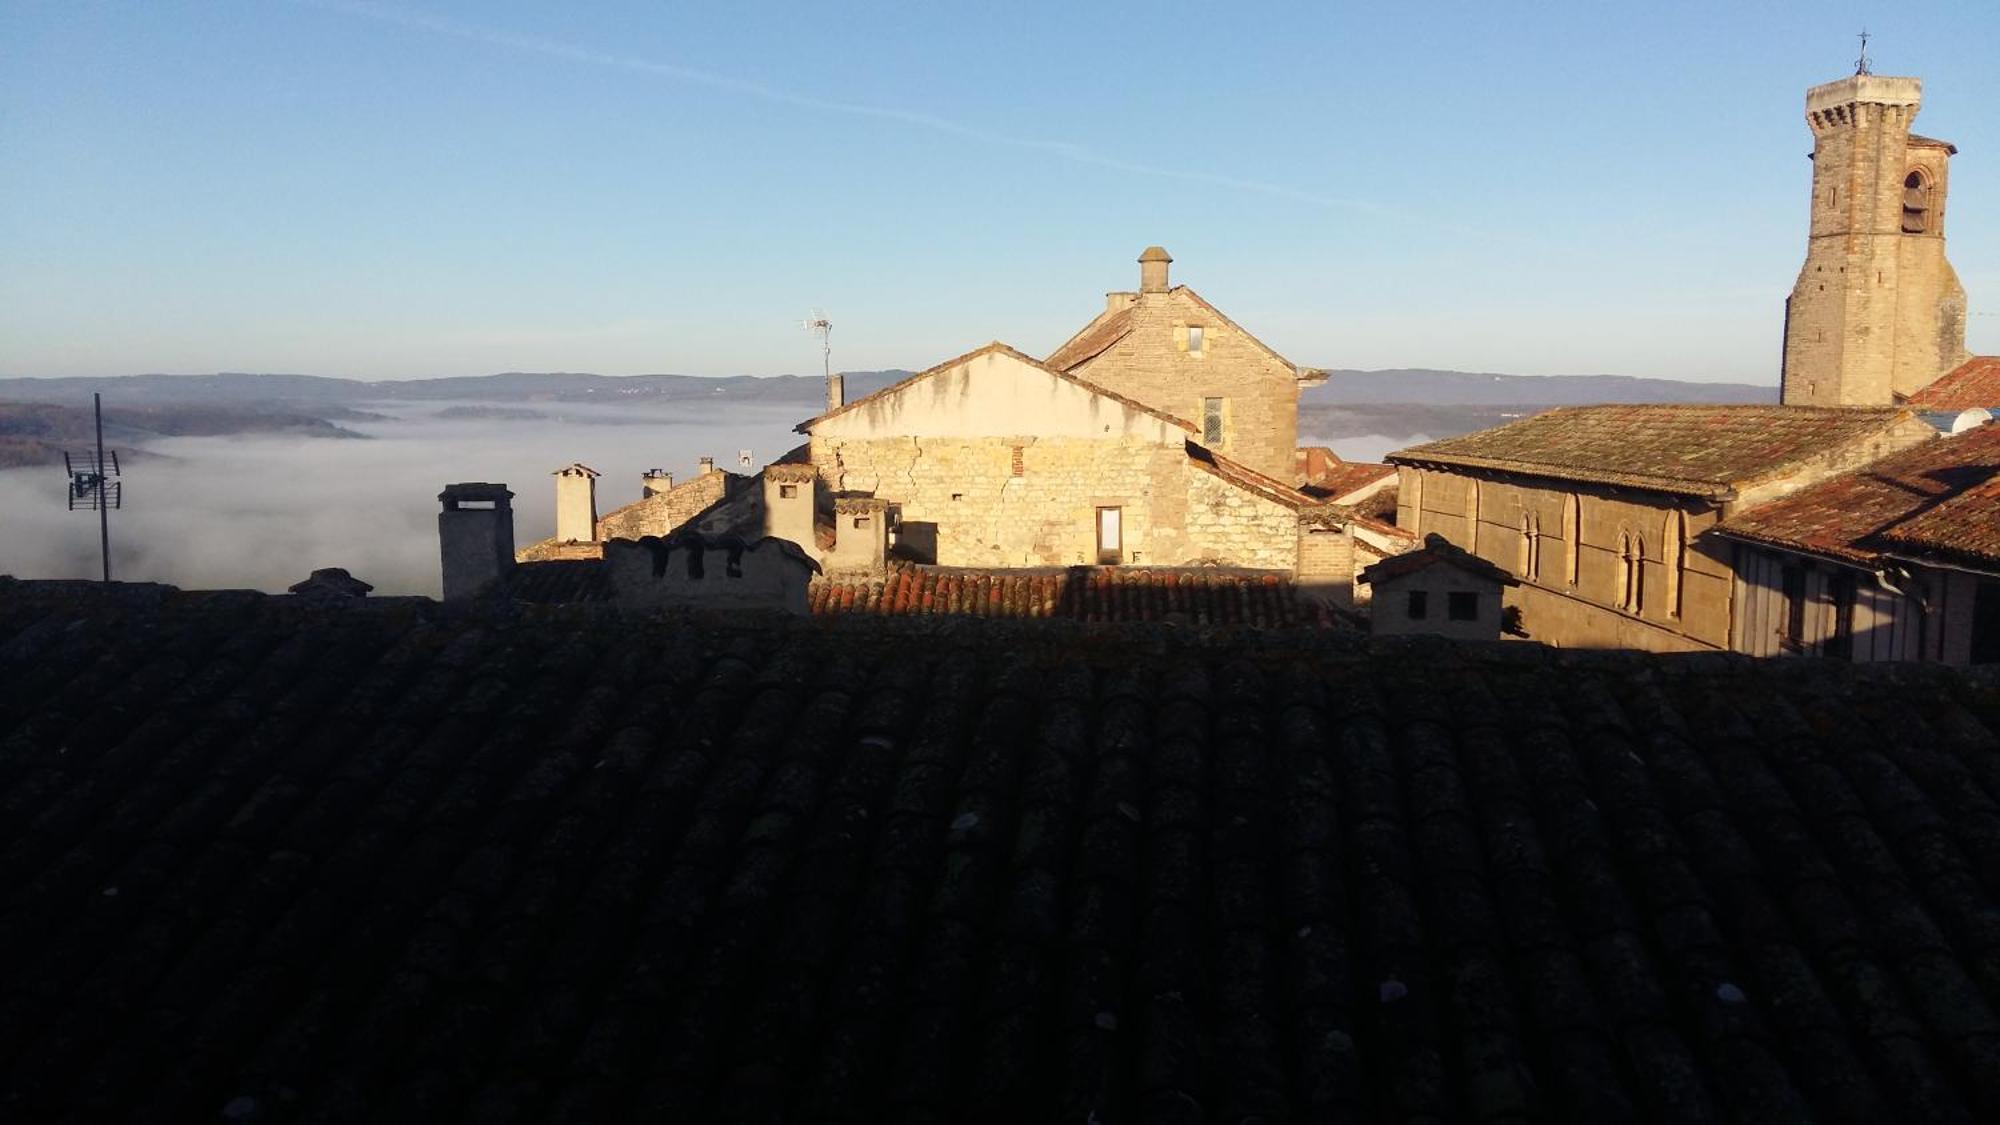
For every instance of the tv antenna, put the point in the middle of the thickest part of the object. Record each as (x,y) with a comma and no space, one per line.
(93,483)
(1861,64)
(817,324)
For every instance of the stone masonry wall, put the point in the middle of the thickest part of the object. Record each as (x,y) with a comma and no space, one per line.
(1876,312)
(663,512)
(1017,502)
(1152,364)
(1572,596)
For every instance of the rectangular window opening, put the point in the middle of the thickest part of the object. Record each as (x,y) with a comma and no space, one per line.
(861,522)
(1462,605)
(1211,421)
(1194,339)
(1419,605)
(788,491)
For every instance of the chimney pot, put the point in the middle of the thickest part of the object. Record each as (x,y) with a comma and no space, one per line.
(705,466)
(1153,270)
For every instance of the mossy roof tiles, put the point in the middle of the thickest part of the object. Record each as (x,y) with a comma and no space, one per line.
(1974,384)
(1939,500)
(267,860)
(1691,449)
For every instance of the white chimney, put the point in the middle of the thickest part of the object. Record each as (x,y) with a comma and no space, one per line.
(576,503)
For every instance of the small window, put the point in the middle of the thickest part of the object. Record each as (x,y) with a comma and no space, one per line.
(1019,467)
(1419,604)
(861,523)
(1462,605)
(788,491)
(1211,421)
(956,496)
(1194,338)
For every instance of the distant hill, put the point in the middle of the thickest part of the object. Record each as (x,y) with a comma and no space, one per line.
(37,433)
(512,386)
(1468,388)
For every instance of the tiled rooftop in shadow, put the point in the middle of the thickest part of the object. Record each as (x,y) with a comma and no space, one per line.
(265,860)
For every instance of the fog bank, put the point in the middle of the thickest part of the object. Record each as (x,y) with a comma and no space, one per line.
(262,512)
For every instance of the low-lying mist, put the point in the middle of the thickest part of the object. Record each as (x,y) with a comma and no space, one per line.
(262,512)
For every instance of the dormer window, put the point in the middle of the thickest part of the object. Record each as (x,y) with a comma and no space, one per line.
(1916,203)
(1194,339)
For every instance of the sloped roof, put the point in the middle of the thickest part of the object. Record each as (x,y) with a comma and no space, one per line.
(1107,328)
(1436,551)
(1933,142)
(1349,476)
(1249,479)
(1942,496)
(996,347)
(1092,340)
(1974,384)
(1196,596)
(1688,449)
(266,860)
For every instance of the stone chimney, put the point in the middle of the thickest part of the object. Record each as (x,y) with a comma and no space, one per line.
(475,537)
(655,482)
(1153,270)
(704,466)
(1119,300)
(860,536)
(836,392)
(576,503)
(788,505)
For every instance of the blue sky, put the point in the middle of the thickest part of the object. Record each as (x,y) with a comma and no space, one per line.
(436,188)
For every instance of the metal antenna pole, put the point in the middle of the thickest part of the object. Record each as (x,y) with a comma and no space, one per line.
(103,508)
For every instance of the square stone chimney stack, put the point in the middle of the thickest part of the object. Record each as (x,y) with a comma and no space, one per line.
(655,482)
(1153,270)
(836,392)
(704,466)
(576,503)
(789,505)
(475,537)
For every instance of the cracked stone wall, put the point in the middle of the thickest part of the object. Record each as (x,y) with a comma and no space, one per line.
(1028,501)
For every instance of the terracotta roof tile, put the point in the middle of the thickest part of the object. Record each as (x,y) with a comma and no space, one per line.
(1974,384)
(1942,498)
(262,859)
(1436,551)
(1101,594)
(1092,340)
(1695,450)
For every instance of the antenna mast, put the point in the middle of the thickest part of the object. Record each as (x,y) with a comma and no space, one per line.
(91,486)
(817,324)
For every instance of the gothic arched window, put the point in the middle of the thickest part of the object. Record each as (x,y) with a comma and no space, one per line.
(1673,554)
(1572,531)
(1531,546)
(1916,203)
(1631,572)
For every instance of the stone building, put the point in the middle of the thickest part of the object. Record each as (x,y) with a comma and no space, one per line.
(1167,347)
(1877,312)
(1603,512)
(1440,590)
(994,459)
(1899,560)
(1184,454)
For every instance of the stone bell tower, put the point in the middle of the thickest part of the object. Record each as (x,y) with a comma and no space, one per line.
(1877,313)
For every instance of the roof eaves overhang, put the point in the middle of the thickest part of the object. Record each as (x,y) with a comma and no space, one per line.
(1701,490)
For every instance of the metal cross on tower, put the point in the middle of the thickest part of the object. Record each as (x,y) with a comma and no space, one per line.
(1861,64)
